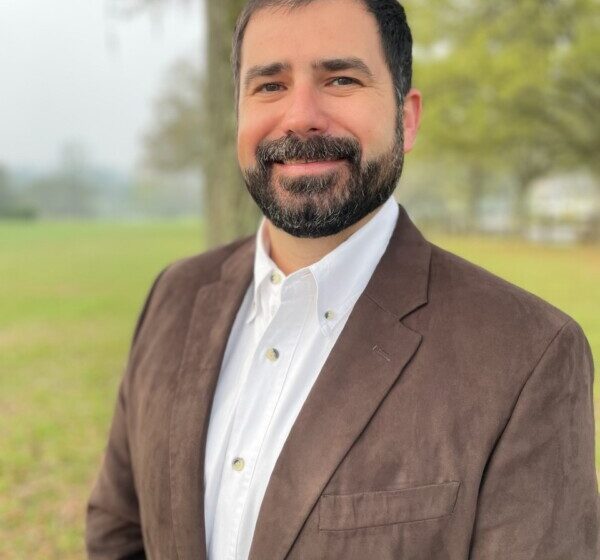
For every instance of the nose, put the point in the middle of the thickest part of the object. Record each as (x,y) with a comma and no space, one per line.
(304,116)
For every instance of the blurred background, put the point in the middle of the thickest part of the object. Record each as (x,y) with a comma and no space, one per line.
(117,156)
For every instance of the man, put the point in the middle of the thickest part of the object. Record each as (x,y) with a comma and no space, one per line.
(336,386)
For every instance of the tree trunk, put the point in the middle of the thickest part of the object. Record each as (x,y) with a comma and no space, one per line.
(475,193)
(525,174)
(230,211)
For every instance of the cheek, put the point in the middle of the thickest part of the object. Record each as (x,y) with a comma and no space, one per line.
(371,126)
(252,129)
(375,139)
(246,146)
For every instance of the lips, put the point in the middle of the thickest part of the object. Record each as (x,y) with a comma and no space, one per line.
(303,161)
(294,154)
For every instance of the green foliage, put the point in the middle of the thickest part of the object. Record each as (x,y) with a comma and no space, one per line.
(66,192)
(12,204)
(511,84)
(175,142)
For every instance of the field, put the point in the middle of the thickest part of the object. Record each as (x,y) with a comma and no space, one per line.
(70,295)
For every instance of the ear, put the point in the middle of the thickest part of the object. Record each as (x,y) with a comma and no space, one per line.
(413,105)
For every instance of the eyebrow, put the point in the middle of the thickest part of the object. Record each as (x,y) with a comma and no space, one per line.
(265,70)
(329,64)
(337,64)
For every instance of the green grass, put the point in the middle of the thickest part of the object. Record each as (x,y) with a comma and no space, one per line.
(70,296)
(69,299)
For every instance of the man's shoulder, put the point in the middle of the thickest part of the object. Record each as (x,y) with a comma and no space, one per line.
(496,329)
(479,297)
(191,272)
(171,298)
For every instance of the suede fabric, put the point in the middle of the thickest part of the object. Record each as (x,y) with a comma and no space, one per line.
(453,420)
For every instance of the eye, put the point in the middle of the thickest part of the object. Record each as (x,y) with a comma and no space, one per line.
(344,81)
(270,87)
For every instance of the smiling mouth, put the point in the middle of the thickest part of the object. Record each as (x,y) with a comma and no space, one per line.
(298,168)
(304,161)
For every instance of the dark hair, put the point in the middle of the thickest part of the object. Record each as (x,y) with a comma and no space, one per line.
(394,31)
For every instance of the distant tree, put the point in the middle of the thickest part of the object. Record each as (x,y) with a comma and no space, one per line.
(231,211)
(6,195)
(195,128)
(572,119)
(68,191)
(11,204)
(175,142)
(509,86)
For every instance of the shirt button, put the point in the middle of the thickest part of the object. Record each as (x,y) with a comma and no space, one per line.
(329,315)
(275,277)
(238,464)
(272,354)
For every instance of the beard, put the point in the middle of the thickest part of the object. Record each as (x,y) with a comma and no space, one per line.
(323,204)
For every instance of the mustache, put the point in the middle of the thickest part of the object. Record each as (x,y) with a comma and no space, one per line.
(314,148)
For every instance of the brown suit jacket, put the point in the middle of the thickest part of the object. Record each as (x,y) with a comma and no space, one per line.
(453,420)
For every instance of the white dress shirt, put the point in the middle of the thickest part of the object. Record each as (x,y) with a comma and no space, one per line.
(281,337)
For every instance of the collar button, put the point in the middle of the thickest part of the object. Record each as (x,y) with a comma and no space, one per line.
(275,277)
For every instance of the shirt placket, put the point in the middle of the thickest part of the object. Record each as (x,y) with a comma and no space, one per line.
(267,373)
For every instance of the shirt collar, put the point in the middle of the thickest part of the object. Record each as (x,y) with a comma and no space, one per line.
(340,276)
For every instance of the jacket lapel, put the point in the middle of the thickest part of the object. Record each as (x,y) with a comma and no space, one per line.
(366,361)
(212,317)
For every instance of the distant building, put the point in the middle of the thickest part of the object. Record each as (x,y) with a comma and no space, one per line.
(564,209)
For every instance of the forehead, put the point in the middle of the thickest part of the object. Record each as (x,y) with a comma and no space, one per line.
(320,29)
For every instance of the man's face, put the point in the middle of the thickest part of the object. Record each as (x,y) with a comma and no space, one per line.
(320,140)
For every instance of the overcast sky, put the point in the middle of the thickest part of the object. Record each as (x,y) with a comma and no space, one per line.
(71,71)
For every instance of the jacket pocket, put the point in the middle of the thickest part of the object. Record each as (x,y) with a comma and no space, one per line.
(338,512)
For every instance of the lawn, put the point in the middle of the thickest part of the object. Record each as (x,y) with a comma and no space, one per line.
(70,295)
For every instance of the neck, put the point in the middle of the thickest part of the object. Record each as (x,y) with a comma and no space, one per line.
(291,253)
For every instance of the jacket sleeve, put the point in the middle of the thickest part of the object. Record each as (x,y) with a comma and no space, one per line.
(538,497)
(113,527)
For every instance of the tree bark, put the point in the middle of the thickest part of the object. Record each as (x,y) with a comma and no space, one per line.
(230,211)
(475,194)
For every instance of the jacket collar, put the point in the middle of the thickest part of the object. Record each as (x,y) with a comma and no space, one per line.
(335,280)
